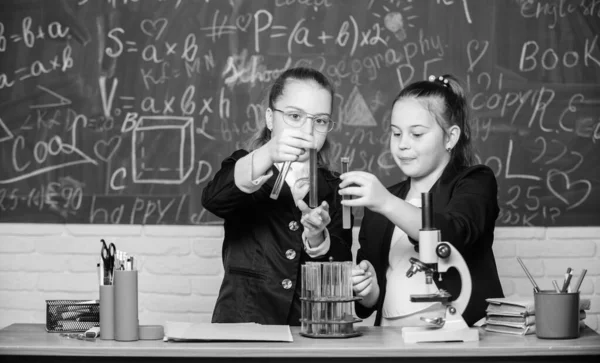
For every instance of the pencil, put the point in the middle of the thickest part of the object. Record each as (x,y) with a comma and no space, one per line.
(580,280)
(535,286)
(556,288)
(568,276)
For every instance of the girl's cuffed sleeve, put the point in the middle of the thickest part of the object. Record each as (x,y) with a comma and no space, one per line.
(222,195)
(243,175)
(321,249)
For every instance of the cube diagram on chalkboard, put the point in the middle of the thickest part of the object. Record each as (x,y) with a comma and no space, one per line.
(162,149)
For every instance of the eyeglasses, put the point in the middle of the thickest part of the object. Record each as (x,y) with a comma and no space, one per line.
(297,118)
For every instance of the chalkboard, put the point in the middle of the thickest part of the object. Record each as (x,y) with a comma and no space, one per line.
(121,111)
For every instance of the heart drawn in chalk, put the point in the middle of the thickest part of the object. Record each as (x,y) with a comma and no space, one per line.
(154,28)
(567,188)
(472,48)
(106,149)
(243,21)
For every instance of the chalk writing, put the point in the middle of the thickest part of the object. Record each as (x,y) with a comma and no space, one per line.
(559,9)
(122,111)
(549,59)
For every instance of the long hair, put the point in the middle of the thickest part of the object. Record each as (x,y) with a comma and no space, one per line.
(447,102)
(263,135)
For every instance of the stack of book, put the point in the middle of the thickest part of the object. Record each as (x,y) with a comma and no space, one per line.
(517,315)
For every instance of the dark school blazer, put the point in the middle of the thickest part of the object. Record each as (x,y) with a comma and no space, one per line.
(262,248)
(465,209)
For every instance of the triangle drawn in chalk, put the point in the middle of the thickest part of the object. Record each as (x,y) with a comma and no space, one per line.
(5,133)
(62,101)
(356,111)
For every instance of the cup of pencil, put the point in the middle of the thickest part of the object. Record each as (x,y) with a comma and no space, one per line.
(556,311)
(556,314)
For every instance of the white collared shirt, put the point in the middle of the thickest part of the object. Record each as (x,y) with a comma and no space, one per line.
(399,287)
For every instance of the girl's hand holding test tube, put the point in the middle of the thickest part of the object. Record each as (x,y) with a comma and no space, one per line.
(290,145)
(366,189)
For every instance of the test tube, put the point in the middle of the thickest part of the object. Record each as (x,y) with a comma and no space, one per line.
(337,294)
(280,180)
(346,210)
(347,293)
(328,293)
(316,306)
(313,200)
(305,294)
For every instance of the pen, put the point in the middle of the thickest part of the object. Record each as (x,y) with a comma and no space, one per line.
(556,288)
(119,260)
(535,286)
(99,273)
(568,276)
(102,282)
(580,280)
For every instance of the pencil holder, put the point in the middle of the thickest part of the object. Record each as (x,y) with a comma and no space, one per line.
(107,312)
(126,305)
(556,314)
(327,300)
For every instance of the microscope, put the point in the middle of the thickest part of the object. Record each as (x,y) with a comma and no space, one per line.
(438,256)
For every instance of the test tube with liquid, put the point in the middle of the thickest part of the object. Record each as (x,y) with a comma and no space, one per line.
(346,211)
(313,200)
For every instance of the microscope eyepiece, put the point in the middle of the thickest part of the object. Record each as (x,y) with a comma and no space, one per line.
(427,212)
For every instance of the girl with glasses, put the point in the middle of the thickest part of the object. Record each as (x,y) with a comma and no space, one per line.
(430,141)
(267,240)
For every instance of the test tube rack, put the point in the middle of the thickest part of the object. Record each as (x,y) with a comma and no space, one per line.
(327,300)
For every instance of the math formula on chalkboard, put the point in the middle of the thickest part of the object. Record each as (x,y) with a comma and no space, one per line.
(121,111)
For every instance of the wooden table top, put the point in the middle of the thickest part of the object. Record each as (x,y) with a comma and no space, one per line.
(33,340)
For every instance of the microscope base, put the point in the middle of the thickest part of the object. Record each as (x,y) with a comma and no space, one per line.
(452,331)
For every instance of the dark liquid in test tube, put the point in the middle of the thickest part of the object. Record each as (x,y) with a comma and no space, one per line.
(346,211)
(313,200)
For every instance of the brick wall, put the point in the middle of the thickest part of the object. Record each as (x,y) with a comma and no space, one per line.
(180,266)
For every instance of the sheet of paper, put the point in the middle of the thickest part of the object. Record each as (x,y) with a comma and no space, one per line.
(181,331)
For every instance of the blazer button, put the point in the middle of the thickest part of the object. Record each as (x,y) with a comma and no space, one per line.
(293,226)
(290,254)
(287,284)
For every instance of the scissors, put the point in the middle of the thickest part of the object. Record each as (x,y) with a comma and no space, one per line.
(108,257)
